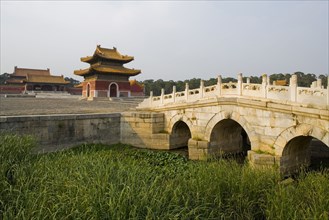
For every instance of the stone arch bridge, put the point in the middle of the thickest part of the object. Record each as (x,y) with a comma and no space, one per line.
(269,123)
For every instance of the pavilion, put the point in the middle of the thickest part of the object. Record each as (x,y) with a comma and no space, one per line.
(106,76)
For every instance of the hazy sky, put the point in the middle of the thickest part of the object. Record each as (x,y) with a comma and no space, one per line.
(169,40)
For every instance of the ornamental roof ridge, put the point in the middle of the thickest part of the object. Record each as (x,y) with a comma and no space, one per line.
(105,69)
(107,54)
(23,71)
(46,79)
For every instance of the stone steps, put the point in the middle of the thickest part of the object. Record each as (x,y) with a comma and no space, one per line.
(124,103)
(132,102)
(52,95)
(19,96)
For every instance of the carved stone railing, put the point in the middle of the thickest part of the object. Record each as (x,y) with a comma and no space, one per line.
(315,95)
(251,89)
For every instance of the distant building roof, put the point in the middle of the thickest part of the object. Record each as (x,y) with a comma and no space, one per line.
(14,81)
(25,71)
(280,82)
(80,85)
(46,79)
(25,75)
(107,54)
(135,86)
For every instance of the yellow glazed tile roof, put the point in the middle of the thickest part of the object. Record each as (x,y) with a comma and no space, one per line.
(46,79)
(281,82)
(107,70)
(109,54)
(25,71)
(14,80)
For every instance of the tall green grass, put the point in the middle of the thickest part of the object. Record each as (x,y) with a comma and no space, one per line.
(120,182)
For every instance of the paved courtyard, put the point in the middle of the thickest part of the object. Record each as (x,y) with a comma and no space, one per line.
(45,106)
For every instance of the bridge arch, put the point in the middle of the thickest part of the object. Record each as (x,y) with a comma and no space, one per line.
(180,134)
(180,131)
(295,145)
(236,117)
(299,130)
(230,133)
(176,118)
(228,137)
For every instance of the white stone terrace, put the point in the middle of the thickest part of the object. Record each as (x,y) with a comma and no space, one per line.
(316,95)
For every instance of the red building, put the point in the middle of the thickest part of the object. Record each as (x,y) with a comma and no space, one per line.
(106,76)
(136,89)
(35,80)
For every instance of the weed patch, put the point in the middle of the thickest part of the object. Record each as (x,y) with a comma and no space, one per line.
(97,181)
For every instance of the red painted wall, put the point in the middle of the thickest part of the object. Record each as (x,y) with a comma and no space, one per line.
(11,89)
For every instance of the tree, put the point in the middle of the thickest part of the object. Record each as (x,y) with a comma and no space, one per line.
(72,81)
(3,78)
(194,83)
(180,86)
(324,80)
(229,79)
(210,82)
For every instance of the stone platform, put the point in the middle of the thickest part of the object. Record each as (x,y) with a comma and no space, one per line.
(15,106)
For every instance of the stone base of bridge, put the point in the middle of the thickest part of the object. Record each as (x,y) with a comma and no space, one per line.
(263,159)
(287,164)
(198,149)
(203,150)
(144,130)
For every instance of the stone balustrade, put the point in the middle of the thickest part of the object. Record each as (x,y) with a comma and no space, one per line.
(314,95)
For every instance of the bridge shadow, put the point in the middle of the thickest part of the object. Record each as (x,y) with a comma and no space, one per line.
(182,151)
(229,140)
(304,154)
(180,135)
(319,155)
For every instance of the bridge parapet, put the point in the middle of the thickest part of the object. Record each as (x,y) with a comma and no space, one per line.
(314,95)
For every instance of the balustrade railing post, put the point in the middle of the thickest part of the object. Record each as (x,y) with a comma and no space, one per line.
(268,80)
(264,85)
(201,88)
(174,93)
(219,85)
(319,83)
(186,91)
(328,91)
(162,94)
(293,87)
(248,80)
(151,97)
(239,84)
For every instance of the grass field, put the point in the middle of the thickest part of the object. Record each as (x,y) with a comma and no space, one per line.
(120,182)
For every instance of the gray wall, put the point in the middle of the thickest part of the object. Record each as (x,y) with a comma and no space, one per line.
(55,132)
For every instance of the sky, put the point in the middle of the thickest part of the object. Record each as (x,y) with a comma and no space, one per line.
(170,40)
